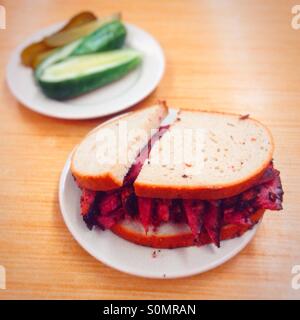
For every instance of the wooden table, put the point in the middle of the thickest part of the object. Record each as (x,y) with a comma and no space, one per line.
(240,56)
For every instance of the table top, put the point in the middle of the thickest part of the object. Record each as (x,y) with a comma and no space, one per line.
(232,56)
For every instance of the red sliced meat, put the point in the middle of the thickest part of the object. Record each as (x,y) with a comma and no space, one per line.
(109,220)
(177,214)
(125,194)
(270,195)
(236,217)
(129,201)
(109,202)
(269,174)
(163,209)
(87,201)
(213,221)
(230,202)
(136,168)
(249,195)
(194,210)
(145,211)
(106,209)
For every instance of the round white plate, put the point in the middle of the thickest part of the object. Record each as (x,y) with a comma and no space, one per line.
(138,260)
(109,99)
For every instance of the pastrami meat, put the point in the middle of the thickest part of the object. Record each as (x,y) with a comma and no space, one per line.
(104,209)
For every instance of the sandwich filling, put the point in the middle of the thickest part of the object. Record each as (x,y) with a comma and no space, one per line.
(105,209)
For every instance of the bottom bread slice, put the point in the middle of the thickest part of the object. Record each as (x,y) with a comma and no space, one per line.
(170,236)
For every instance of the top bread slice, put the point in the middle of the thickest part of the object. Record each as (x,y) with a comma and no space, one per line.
(226,155)
(88,164)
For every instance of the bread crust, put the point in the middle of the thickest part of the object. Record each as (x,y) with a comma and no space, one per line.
(184,239)
(201,192)
(97,183)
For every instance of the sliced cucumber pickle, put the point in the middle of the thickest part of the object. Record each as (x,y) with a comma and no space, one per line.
(81,74)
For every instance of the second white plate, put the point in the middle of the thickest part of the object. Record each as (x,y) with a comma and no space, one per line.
(110,99)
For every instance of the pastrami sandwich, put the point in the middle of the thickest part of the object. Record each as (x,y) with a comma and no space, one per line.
(200,178)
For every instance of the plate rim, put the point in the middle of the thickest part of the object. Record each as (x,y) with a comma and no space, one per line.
(33,106)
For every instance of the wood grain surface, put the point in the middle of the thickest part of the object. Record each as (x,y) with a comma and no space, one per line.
(239,56)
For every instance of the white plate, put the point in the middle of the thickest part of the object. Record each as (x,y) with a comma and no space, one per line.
(138,260)
(112,98)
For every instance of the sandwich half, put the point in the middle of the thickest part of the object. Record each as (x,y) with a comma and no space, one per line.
(204,178)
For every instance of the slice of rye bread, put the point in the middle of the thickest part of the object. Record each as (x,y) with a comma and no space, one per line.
(234,152)
(87,166)
(170,236)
